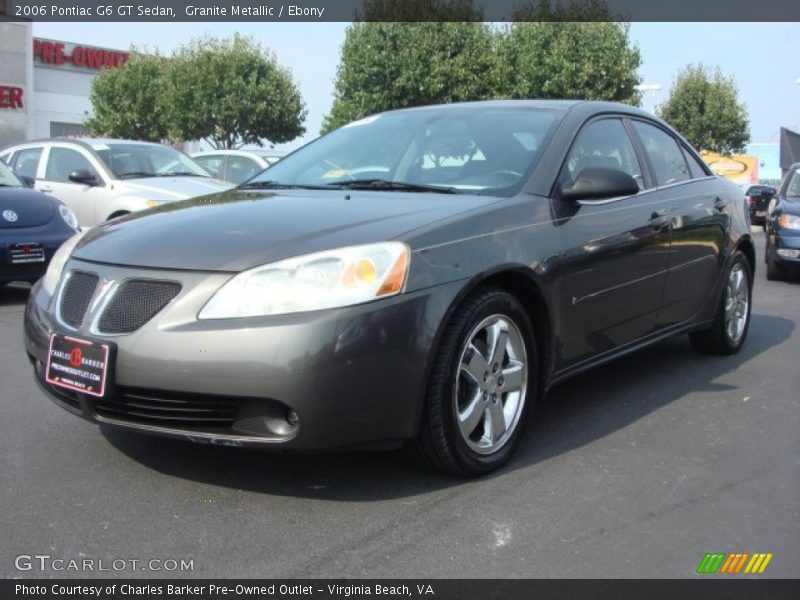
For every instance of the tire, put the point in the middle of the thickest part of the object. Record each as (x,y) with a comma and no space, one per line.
(470,386)
(727,333)
(774,270)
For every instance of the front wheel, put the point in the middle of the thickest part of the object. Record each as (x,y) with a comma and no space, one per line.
(483,379)
(729,329)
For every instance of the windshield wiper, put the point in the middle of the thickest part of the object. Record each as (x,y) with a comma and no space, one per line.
(392,186)
(135,174)
(181,174)
(277,185)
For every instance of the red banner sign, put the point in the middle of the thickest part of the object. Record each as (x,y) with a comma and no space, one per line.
(83,57)
(11,96)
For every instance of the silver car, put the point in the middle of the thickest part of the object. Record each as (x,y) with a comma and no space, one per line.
(236,166)
(100,179)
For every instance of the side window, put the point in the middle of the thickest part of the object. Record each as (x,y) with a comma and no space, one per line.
(240,169)
(63,161)
(696,168)
(212,164)
(603,143)
(665,155)
(26,162)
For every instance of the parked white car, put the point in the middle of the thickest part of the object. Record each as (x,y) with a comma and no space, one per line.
(236,166)
(100,179)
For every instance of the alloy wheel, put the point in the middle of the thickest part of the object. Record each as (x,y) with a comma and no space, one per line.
(737,302)
(491,384)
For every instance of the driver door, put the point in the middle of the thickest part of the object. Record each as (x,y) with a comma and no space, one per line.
(615,251)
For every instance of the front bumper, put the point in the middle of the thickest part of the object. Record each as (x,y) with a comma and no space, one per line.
(50,242)
(353,376)
(785,240)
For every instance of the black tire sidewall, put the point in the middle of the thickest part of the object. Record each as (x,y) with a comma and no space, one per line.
(738,258)
(483,305)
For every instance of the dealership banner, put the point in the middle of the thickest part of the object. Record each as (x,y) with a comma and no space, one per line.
(433,589)
(396,10)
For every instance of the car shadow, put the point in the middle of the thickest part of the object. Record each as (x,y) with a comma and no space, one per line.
(14,294)
(575,413)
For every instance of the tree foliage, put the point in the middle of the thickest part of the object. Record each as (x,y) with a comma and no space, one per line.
(419,11)
(569,59)
(230,93)
(556,50)
(395,65)
(704,106)
(128,102)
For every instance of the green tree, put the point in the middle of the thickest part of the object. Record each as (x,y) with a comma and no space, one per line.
(385,66)
(568,59)
(418,10)
(128,102)
(231,93)
(704,106)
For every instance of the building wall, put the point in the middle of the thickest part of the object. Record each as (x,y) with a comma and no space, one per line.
(16,69)
(62,96)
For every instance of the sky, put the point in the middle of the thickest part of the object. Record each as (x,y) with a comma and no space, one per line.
(761,57)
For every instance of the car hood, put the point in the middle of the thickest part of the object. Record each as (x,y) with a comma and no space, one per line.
(176,188)
(31,208)
(243,229)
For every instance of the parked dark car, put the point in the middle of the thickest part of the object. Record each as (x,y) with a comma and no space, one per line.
(783,227)
(758,199)
(32,227)
(418,277)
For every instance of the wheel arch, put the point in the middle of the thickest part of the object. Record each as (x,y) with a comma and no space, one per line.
(529,289)
(745,244)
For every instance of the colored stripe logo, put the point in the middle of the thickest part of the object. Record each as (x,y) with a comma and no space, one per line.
(734,563)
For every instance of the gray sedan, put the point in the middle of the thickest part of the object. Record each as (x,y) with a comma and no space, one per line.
(416,278)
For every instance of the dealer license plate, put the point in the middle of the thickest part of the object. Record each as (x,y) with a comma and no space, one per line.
(78,365)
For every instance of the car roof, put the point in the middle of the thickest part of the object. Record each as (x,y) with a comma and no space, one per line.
(242,152)
(92,143)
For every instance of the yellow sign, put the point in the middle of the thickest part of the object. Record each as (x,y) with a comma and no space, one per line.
(739,168)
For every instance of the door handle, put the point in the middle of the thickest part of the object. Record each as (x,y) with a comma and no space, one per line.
(658,219)
(720,204)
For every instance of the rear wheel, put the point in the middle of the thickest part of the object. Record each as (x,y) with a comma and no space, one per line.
(482,381)
(729,329)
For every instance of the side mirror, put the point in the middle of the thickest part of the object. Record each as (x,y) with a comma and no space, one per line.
(27,180)
(83,176)
(597,183)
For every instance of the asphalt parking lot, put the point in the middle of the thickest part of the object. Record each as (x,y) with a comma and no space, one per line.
(634,470)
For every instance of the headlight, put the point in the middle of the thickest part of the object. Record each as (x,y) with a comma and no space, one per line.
(789,222)
(327,279)
(60,258)
(68,216)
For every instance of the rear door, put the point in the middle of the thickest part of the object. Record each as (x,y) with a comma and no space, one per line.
(697,219)
(60,161)
(26,161)
(614,252)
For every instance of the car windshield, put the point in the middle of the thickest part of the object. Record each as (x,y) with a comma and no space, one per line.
(131,161)
(793,185)
(7,177)
(456,149)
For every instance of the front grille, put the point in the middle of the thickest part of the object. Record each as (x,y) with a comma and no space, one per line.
(169,409)
(76,297)
(135,303)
